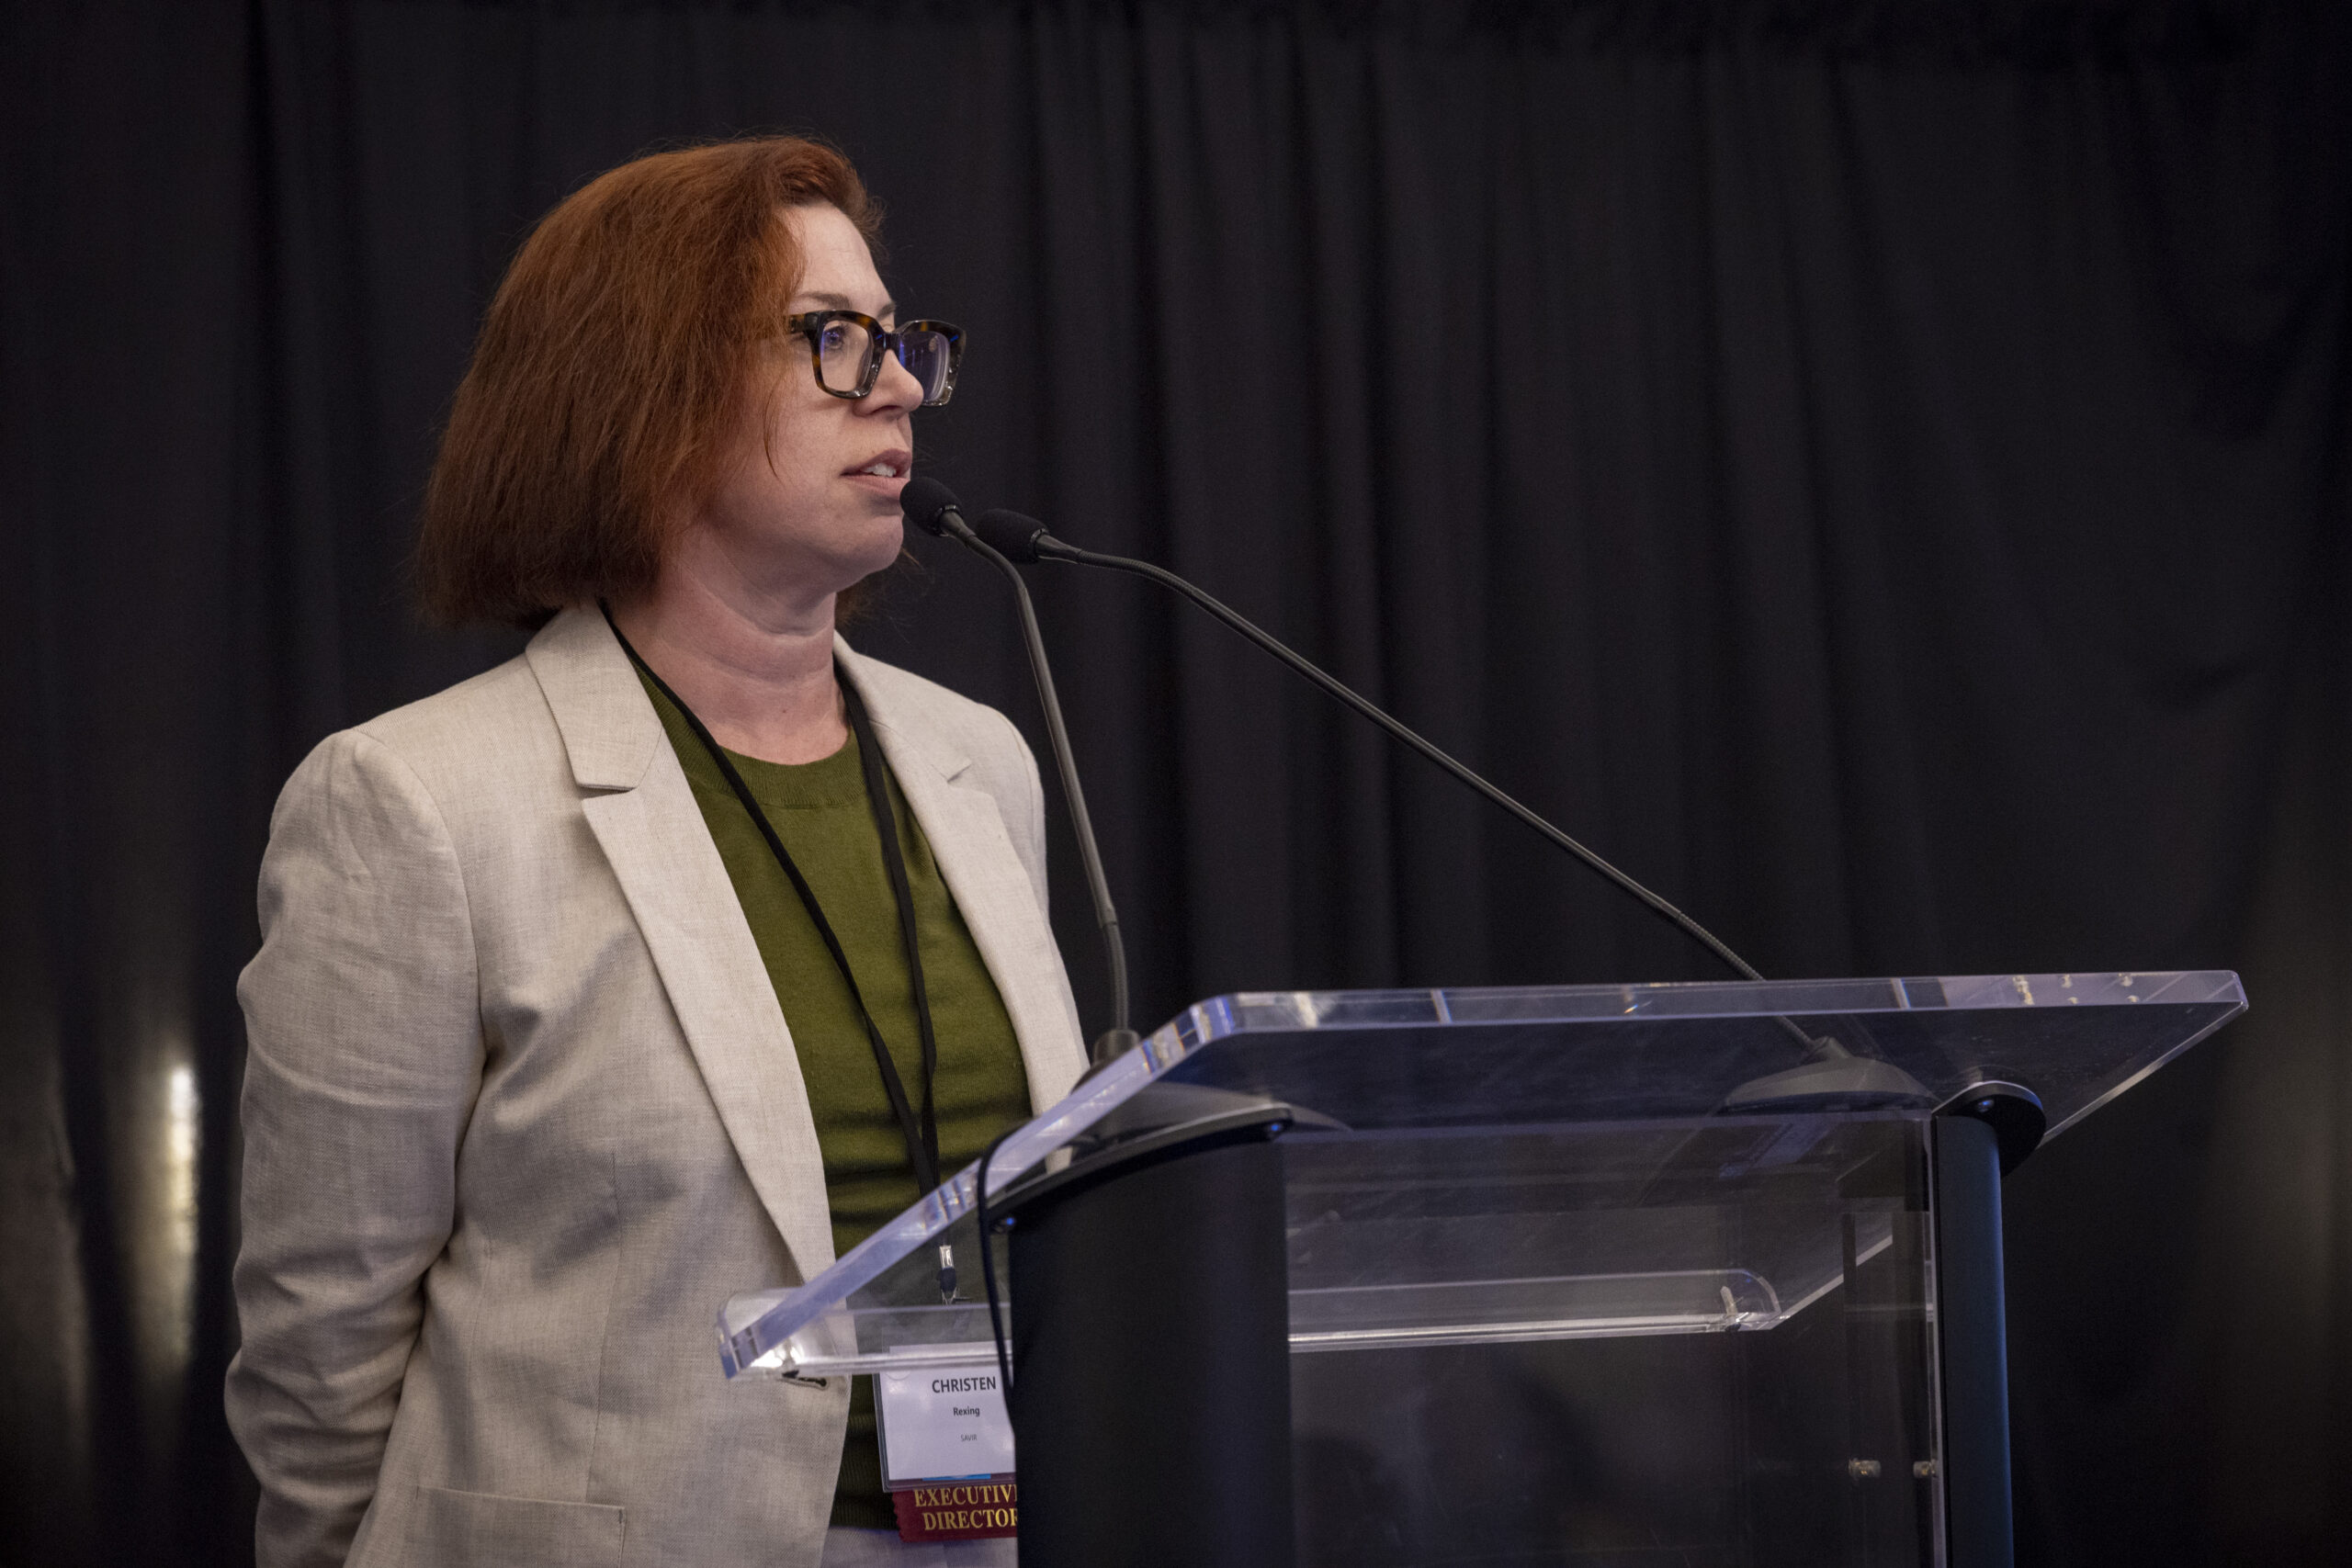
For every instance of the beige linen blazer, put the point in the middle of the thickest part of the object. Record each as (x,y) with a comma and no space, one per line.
(521,1111)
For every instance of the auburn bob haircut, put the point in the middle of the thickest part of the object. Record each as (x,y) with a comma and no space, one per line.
(608,373)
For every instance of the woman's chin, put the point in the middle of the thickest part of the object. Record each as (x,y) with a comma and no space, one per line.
(846,574)
(797,564)
(878,554)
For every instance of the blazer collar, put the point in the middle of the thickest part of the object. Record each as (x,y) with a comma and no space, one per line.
(643,814)
(612,734)
(610,730)
(907,744)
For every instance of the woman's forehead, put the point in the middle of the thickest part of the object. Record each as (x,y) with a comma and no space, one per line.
(836,268)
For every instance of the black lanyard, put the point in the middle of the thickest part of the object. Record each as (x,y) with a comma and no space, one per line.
(920,1131)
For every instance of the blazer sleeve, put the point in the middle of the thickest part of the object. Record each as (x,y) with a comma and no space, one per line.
(364,1054)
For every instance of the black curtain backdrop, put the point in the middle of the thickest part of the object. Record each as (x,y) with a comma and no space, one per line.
(1877,470)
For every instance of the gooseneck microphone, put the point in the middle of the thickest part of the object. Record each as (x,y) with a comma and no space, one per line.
(932,507)
(1010,536)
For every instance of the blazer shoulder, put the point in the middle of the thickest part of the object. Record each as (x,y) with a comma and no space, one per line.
(488,724)
(467,748)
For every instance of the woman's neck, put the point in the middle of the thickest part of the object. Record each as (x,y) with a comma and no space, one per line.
(756,668)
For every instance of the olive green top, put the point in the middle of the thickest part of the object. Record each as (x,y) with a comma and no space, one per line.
(819,810)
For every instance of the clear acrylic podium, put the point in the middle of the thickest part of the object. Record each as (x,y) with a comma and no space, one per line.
(1691,1274)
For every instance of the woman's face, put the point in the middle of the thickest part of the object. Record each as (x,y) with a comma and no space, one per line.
(809,502)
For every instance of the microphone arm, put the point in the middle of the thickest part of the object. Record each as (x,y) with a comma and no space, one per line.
(1026,539)
(937,511)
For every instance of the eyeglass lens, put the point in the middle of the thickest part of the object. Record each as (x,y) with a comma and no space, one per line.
(843,347)
(842,350)
(927,356)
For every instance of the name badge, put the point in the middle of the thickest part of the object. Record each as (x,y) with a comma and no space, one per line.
(947,1450)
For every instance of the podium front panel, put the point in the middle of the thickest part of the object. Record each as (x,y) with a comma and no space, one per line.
(1664,1341)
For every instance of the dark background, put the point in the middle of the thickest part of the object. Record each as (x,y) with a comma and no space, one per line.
(1878,470)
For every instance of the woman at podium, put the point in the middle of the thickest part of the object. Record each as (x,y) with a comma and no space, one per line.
(657,964)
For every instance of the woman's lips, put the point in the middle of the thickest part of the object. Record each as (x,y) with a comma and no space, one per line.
(879,484)
(884,473)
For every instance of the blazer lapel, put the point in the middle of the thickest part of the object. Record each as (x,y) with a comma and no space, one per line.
(643,814)
(991,885)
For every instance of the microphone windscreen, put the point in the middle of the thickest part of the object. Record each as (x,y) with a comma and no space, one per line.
(1009,533)
(925,501)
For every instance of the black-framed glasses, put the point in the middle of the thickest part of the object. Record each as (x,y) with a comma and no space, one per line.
(846,348)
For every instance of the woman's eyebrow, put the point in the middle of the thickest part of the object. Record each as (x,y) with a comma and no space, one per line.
(830,301)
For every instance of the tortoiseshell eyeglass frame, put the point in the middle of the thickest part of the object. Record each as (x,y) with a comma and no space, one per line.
(879,340)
